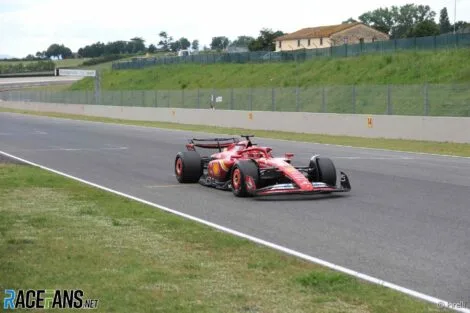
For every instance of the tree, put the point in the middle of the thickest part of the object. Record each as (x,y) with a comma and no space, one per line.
(349,21)
(398,22)
(165,41)
(423,29)
(408,16)
(116,47)
(265,40)
(184,43)
(219,43)
(380,19)
(195,44)
(444,24)
(41,54)
(460,26)
(137,45)
(95,50)
(56,50)
(152,48)
(175,46)
(242,41)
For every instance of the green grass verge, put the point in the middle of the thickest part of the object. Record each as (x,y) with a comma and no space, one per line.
(443,66)
(457,149)
(58,63)
(57,233)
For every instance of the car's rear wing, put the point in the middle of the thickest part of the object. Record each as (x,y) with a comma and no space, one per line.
(211,143)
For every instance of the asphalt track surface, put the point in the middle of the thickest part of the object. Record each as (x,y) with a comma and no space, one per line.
(405,221)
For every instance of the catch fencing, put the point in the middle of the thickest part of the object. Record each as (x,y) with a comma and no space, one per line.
(448,41)
(418,100)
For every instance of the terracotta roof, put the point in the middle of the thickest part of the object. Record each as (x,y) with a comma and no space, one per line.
(317,32)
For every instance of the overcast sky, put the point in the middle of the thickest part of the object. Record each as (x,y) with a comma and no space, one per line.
(28,26)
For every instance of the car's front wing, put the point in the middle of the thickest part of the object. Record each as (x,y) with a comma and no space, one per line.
(290,188)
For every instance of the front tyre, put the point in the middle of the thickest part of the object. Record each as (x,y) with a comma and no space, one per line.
(188,167)
(326,171)
(240,172)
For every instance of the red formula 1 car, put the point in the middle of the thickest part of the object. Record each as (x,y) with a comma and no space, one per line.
(251,170)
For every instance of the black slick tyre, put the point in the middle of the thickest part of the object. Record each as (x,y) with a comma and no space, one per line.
(188,167)
(326,171)
(238,178)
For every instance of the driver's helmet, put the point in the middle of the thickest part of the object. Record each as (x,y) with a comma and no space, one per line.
(255,154)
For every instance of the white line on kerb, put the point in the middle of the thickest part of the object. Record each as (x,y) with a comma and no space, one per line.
(441,303)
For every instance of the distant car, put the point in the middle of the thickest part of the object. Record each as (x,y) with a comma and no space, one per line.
(250,170)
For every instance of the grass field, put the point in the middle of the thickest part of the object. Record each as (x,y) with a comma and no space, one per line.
(457,149)
(60,234)
(450,66)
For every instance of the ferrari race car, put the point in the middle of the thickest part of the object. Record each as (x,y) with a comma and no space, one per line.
(250,170)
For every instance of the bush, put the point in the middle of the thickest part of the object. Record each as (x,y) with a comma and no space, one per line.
(104,59)
(28,67)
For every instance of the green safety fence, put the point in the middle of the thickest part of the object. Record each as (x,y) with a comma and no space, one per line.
(448,41)
(421,100)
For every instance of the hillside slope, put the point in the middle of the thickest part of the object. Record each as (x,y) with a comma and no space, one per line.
(401,68)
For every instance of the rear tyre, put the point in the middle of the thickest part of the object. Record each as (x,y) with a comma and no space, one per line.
(238,178)
(188,167)
(326,171)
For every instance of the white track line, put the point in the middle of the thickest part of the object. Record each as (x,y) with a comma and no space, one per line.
(439,302)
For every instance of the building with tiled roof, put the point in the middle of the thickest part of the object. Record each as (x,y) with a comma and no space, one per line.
(326,36)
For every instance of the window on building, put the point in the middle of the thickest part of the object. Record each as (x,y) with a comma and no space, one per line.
(373,39)
(298,43)
(309,42)
(321,41)
(361,40)
(280,44)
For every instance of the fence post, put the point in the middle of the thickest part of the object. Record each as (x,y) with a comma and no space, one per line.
(97,88)
(353,99)
(231,99)
(389,100)
(273,99)
(198,101)
(426,100)
(323,100)
(182,97)
(297,104)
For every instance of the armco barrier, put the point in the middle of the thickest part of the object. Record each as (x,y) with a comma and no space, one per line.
(441,129)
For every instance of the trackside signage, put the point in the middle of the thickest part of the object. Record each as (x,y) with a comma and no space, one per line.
(82,73)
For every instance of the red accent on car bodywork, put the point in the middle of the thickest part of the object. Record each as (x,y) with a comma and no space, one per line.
(179,167)
(263,157)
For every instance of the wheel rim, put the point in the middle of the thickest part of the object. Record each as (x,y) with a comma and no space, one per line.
(179,167)
(236,177)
